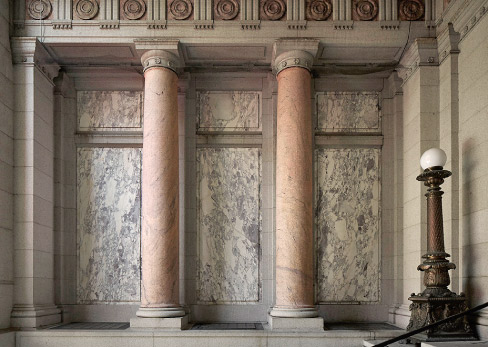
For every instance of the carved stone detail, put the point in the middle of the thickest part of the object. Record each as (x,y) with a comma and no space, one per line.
(272,9)
(411,9)
(181,9)
(364,9)
(295,58)
(39,9)
(319,9)
(226,9)
(134,9)
(158,58)
(86,9)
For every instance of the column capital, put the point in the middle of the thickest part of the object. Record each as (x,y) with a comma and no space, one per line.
(422,52)
(299,52)
(160,58)
(29,51)
(295,58)
(160,53)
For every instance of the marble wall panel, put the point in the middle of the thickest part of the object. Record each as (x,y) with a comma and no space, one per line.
(229,111)
(109,110)
(108,224)
(347,220)
(229,224)
(348,112)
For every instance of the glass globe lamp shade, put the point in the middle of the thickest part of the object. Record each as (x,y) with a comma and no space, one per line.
(433,157)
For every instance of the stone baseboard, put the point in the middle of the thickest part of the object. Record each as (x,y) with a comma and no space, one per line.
(34,316)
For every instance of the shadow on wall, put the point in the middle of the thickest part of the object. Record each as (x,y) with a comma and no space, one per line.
(468,207)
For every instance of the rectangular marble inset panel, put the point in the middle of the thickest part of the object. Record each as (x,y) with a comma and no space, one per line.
(348,112)
(347,219)
(108,224)
(109,110)
(229,224)
(229,111)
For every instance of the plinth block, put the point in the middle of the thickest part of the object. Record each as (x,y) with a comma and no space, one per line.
(175,323)
(296,324)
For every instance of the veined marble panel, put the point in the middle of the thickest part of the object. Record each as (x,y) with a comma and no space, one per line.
(348,112)
(109,110)
(347,217)
(232,110)
(108,224)
(229,224)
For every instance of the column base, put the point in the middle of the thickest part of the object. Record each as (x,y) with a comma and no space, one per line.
(295,319)
(34,316)
(173,323)
(160,312)
(305,312)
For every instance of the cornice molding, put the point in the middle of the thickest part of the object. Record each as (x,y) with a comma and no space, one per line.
(464,16)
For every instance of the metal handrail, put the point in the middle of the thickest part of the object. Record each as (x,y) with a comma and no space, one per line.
(427,327)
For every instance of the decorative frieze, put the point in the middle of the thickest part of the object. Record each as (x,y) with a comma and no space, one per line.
(272,9)
(133,9)
(226,9)
(364,10)
(250,13)
(411,10)
(39,9)
(180,9)
(86,9)
(318,9)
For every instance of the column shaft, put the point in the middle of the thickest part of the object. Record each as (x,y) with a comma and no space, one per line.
(294,196)
(160,196)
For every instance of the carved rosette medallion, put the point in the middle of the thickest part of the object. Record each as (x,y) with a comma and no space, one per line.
(39,9)
(273,9)
(411,9)
(226,9)
(86,9)
(134,9)
(181,9)
(319,9)
(365,9)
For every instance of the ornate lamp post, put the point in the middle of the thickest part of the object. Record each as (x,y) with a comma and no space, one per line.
(437,302)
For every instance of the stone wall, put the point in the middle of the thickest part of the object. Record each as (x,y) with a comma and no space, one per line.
(227,132)
(473,151)
(6,167)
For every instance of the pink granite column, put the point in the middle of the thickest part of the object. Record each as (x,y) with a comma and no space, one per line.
(160,226)
(294,188)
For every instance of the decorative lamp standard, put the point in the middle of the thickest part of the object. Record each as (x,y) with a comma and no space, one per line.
(437,302)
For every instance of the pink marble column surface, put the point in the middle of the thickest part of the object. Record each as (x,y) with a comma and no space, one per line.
(294,188)
(160,230)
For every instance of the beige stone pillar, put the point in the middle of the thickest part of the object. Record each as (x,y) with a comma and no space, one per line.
(160,193)
(294,195)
